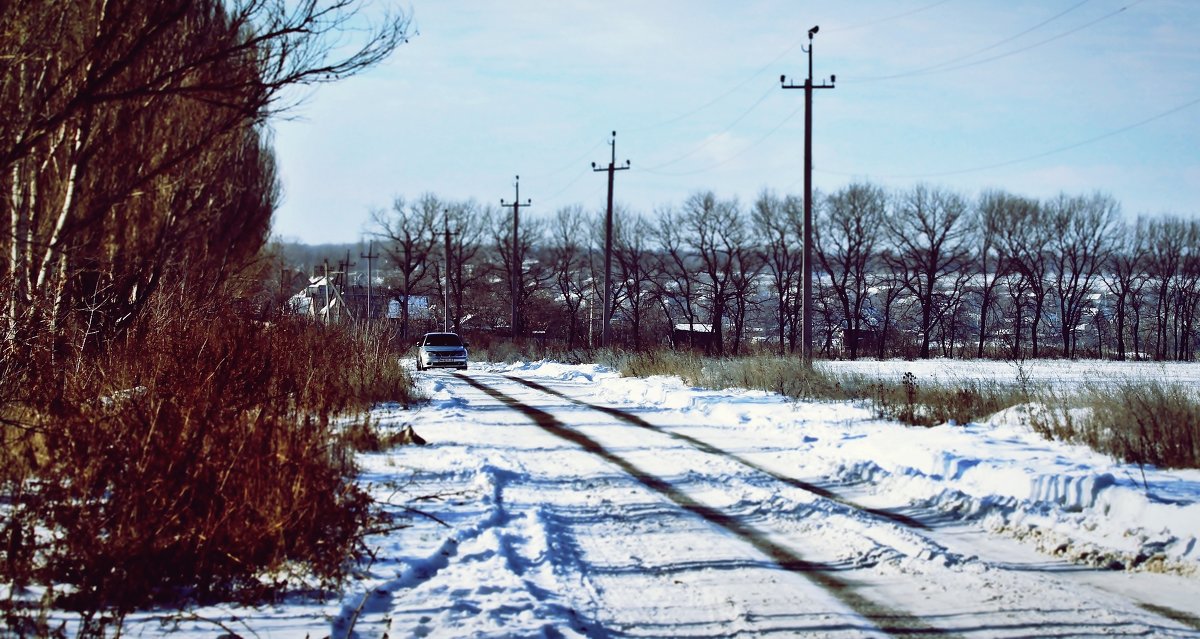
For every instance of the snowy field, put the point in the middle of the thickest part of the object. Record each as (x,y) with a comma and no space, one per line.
(566,501)
(1060,374)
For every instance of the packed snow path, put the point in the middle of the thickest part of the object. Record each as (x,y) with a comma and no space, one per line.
(543,507)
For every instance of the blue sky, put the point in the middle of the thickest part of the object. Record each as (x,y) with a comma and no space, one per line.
(964,94)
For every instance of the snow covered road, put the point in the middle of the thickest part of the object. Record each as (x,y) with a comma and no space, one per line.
(570,515)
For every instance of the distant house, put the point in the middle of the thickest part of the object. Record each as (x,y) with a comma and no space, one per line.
(697,336)
(863,339)
(418,308)
(321,300)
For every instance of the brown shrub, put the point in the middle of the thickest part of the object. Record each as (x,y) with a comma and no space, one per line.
(194,459)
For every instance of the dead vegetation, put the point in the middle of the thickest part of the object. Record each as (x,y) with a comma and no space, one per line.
(197,459)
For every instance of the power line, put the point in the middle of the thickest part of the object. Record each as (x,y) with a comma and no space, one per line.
(947,65)
(950,66)
(712,137)
(573,162)
(972,54)
(553,197)
(760,140)
(776,59)
(897,16)
(1036,156)
(724,95)
(654,168)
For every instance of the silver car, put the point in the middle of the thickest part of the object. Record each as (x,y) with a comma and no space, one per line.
(441,350)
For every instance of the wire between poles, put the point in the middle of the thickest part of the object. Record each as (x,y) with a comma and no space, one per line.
(1035,156)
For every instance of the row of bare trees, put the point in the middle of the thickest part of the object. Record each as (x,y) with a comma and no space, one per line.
(919,272)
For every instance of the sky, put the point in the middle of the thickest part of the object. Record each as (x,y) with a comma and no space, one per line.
(1035,97)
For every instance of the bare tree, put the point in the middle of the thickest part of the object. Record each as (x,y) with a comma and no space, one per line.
(534,273)
(675,281)
(775,233)
(408,237)
(72,59)
(631,249)
(846,235)
(569,261)
(744,290)
(888,286)
(990,213)
(468,224)
(1125,276)
(928,228)
(1187,292)
(1024,239)
(827,315)
(1082,233)
(1166,240)
(717,235)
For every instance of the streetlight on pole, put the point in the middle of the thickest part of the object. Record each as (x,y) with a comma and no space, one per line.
(808,86)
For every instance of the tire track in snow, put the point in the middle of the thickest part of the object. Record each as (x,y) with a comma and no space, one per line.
(377,599)
(705,447)
(885,618)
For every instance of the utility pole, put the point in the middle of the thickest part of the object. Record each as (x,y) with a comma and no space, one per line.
(516,205)
(343,276)
(808,86)
(371,255)
(283,289)
(446,230)
(605,330)
(325,289)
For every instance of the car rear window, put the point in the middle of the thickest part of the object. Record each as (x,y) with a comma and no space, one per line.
(442,340)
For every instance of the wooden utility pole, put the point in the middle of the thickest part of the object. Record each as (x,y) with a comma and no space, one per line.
(605,327)
(283,290)
(446,231)
(342,278)
(806,261)
(371,255)
(516,205)
(325,290)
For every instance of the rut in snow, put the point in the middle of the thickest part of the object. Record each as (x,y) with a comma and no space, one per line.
(702,446)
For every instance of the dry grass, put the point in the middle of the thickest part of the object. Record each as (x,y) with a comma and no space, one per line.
(1142,422)
(684,364)
(962,402)
(194,460)
(1148,423)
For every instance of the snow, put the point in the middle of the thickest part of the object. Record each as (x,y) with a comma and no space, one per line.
(566,501)
(1071,373)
